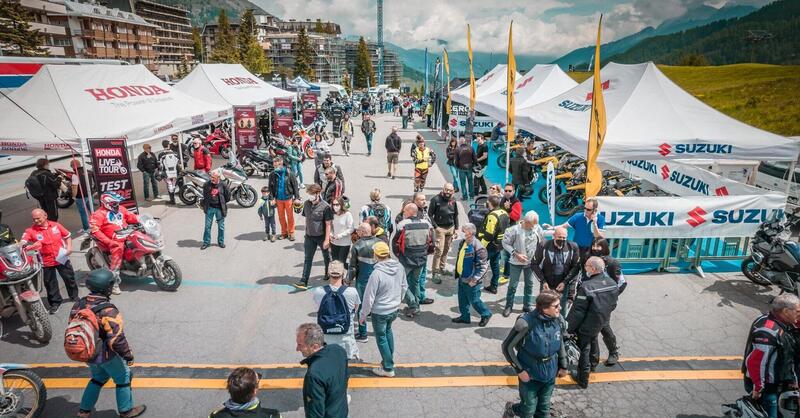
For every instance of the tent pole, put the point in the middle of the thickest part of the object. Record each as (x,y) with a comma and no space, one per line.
(508,158)
(84,146)
(180,148)
(790,175)
(233,135)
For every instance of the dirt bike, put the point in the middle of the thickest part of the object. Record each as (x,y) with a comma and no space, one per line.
(22,392)
(20,288)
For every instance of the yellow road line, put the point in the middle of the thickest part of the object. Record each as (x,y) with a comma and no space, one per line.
(406,382)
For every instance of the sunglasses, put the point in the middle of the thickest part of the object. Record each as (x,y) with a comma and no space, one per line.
(509,191)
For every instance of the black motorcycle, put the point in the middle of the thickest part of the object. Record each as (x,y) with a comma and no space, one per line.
(255,161)
(774,260)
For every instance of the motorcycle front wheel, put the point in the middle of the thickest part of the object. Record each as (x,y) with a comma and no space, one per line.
(225,152)
(187,196)
(752,271)
(329,139)
(566,204)
(40,322)
(309,152)
(64,199)
(25,394)
(172,276)
(246,196)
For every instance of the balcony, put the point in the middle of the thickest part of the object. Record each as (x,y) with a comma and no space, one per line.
(100,52)
(98,34)
(44,5)
(49,29)
(56,51)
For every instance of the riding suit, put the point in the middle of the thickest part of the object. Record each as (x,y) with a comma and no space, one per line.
(104,224)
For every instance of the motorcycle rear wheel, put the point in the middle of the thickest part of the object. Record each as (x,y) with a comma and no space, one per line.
(246,196)
(309,152)
(187,196)
(329,139)
(64,199)
(751,270)
(172,276)
(225,152)
(25,393)
(40,322)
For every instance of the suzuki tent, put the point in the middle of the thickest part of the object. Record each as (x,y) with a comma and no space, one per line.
(231,85)
(542,82)
(649,117)
(491,82)
(64,104)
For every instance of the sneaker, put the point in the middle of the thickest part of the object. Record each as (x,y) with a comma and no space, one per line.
(410,312)
(378,371)
(280,237)
(426,301)
(266,238)
(133,412)
(503,280)
(301,286)
(204,246)
(84,414)
(484,321)
(53,309)
(115,290)
(508,411)
(221,245)
(302,186)
(362,338)
(436,278)
(458,320)
(291,237)
(389,175)
(507,312)
(612,359)
(490,289)
(527,309)
(272,238)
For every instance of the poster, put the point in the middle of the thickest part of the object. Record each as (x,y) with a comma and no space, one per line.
(283,117)
(112,170)
(309,108)
(246,127)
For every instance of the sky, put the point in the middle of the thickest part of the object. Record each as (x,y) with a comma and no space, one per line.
(541,27)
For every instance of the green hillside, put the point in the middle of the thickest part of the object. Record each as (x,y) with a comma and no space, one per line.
(764,96)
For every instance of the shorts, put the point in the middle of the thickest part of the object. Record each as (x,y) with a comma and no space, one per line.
(391,157)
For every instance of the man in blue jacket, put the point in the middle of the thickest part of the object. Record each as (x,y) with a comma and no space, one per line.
(472,263)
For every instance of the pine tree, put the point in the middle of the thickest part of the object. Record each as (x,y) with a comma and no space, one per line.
(198,44)
(364,73)
(304,57)
(225,50)
(16,32)
(318,28)
(251,54)
(183,68)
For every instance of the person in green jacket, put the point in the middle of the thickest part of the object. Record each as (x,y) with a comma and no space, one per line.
(295,161)
(325,383)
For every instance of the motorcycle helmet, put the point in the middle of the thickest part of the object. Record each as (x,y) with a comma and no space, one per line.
(297,207)
(100,281)
(745,407)
(111,201)
(789,403)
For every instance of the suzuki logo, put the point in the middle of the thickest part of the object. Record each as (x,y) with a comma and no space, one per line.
(664,172)
(722,191)
(453,122)
(665,149)
(696,216)
(525,82)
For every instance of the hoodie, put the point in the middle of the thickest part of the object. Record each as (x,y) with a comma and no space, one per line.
(385,289)
(393,143)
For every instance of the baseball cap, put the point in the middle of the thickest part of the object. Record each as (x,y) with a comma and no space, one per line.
(381,249)
(336,269)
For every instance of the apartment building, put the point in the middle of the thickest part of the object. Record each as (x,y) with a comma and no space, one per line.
(173,34)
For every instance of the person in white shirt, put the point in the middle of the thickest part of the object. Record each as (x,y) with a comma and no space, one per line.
(347,340)
(341,229)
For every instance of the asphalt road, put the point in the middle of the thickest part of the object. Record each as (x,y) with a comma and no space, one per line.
(237,306)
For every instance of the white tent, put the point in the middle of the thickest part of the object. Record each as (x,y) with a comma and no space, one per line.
(542,82)
(649,117)
(491,82)
(64,104)
(231,85)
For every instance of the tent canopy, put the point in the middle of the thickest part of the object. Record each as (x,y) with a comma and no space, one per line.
(541,83)
(491,82)
(68,103)
(649,117)
(231,85)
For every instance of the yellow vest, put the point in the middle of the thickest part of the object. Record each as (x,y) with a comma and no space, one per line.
(423,156)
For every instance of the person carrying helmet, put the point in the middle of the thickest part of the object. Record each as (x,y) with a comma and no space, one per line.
(114,357)
(105,222)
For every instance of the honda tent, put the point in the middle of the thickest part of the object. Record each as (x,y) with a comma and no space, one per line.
(542,82)
(64,104)
(231,85)
(491,82)
(650,117)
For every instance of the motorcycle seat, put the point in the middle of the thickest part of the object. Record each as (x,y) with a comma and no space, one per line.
(202,174)
(793,249)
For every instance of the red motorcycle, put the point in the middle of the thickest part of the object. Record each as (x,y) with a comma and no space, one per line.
(142,256)
(218,143)
(304,139)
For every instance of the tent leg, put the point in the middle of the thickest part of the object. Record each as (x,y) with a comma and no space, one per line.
(86,175)
(699,270)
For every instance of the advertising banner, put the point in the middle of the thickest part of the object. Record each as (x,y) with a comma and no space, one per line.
(246,127)
(688,217)
(283,117)
(112,170)
(685,179)
(458,120)
(551,191)
(309,108)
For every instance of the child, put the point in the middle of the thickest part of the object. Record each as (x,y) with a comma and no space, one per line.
(266,211)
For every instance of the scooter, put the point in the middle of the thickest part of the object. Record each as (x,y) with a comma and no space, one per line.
(774,260)
(22,392)
(142,256)
(21,282)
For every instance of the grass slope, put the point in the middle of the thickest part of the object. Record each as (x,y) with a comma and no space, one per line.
(764,96)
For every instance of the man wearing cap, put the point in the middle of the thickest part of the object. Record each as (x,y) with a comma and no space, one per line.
(346,340)
(382,297)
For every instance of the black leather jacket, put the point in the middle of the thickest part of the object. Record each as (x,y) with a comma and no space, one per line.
(591,311)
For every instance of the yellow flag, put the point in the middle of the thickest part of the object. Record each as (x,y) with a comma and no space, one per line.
(597,126)
(510,83)
(471,74)
(447,73)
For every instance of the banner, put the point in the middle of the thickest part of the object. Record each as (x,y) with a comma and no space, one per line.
(283,117)
(309,108)
(687,217)
(245,127)
(551,191)
(447,71)
(511,72)
(685,179)
(597,126)
(112,170)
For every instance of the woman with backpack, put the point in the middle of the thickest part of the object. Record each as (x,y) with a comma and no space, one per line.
(378,210)
(341,229)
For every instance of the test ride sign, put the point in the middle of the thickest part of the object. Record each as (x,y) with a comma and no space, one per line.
(112,170)
(246,127)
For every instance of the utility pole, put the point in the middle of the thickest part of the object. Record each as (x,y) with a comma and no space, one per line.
(380,42)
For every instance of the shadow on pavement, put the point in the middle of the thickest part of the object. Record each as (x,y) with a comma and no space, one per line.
(741,292)
(433,321)
(250,236)
(189,243)
(62,406)
(494,333)
(132,284)
(14,331)
(282,400)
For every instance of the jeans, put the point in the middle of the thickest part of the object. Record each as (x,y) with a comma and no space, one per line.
(269,225)
(527,277)
(465,179)
(494,265)
(768,400)
(412,294)
(286,216)
(534,399)
(298,171)
(405,122)
(454,174)
(51,282)
(444,237)
(382,324)
(151,179)
(82,204)
(471,296)
(368,137)
(115,368)
(423,279)
(310,245)
(211,214)
(361,286)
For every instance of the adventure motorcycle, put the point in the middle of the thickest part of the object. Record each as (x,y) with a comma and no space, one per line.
(22,392)
(235,177)
(142,256)
(256,161)
(190,185)
(773,260)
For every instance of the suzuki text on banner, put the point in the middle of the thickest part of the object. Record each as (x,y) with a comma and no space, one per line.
(112,171)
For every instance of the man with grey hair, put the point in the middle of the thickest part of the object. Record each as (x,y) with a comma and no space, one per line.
(520,242)
(768,364)
(472,263)
(393,146)
(325,382)
(594,302)
(412,243)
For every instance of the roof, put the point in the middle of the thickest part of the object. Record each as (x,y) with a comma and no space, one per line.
(97,11)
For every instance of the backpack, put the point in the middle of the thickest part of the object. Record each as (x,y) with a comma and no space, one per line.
(334,316)
(34,186)
(379,211)
(82,336)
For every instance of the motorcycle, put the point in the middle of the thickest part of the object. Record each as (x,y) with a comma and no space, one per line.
(190,186)
(22,392)
(142,256)
(191,183)
(21,282)
(218,143)
(774,260)
(318,127)
(256,161)
(304,139)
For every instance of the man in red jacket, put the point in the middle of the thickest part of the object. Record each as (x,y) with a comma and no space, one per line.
(202,158)
(105,222)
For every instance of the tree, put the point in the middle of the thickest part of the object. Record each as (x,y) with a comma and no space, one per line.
(694,60)
(346,82)
(16,32)
(318,28)
(251,54)
(225,50)
(304,57)
(198,44)
(183,68)
(364,74)
(396,83)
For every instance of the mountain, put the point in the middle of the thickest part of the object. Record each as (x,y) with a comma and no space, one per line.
(694,17)
(770,35)
(206,11)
